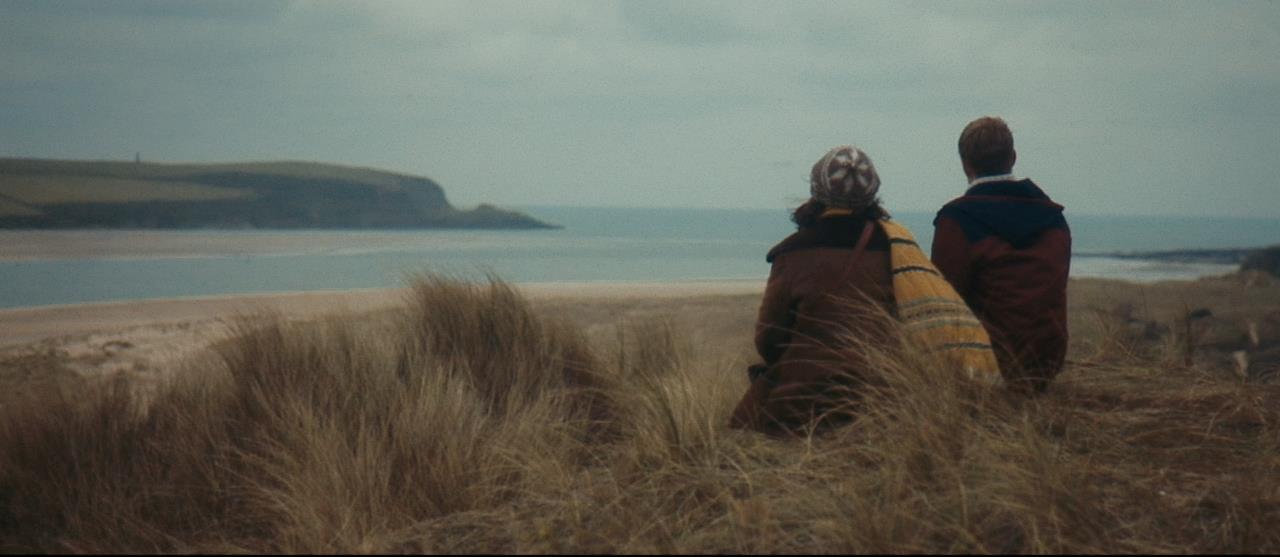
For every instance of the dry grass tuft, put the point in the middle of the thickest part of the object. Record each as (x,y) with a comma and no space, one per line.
(468,422)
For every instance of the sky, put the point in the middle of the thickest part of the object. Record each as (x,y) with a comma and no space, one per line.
(1117,107)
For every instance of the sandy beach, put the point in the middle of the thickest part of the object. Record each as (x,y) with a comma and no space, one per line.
(25,325)
(46,245)
(146,339)
(146,336)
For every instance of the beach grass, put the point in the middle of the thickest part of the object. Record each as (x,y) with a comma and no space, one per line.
(469,420)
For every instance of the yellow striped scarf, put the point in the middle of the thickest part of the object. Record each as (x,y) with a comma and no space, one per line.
(931,310)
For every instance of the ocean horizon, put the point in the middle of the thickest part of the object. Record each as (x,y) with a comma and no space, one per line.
(55,267)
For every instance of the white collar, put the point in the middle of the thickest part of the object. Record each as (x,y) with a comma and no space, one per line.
(1000,178)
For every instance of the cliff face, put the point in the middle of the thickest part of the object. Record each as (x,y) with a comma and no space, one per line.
(72,194)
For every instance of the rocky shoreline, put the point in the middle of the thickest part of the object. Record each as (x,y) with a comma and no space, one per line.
(1256,258)
(1233,256)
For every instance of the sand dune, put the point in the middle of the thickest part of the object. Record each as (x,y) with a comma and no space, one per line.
(145,339)
(24,325)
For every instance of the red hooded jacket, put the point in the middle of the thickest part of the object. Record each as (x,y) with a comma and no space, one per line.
(1006,248)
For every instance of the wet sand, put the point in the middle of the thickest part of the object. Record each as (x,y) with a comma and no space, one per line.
(38,245)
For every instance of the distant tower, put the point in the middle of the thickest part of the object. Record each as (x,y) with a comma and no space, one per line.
(137,157)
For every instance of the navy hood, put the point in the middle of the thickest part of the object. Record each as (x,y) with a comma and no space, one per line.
(1016,211)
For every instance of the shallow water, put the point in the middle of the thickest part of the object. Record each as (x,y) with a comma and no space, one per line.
(62,267)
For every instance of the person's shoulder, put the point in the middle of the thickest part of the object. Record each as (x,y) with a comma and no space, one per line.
(842,233)
(950,210)
(797,240)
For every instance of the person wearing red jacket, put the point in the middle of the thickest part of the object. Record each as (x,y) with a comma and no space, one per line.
(1006,248)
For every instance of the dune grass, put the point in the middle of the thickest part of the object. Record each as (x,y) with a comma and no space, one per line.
(468,422)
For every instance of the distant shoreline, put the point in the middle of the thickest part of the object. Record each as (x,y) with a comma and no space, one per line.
(40,245)
(52,194)
(1223,256)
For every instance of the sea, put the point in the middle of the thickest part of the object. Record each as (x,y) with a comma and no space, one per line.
(593,245)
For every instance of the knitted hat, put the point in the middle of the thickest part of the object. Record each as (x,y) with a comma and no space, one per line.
(844,178)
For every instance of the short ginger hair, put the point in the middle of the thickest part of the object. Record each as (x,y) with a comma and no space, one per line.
(986,144)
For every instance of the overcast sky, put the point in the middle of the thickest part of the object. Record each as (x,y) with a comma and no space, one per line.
(1116,107)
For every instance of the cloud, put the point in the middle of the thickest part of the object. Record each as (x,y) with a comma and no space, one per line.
(663,103)
(146,9)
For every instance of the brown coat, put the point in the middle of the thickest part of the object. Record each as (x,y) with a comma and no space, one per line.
(816,274)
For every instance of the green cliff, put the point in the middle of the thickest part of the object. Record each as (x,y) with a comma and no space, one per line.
(37,193)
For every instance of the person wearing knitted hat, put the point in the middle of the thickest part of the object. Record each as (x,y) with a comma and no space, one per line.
(846,261)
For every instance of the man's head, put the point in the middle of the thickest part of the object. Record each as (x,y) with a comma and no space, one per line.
(986,148)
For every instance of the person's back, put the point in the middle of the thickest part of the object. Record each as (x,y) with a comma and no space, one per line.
(822,277)
(1006,248)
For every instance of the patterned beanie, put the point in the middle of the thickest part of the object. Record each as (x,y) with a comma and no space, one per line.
(844,178)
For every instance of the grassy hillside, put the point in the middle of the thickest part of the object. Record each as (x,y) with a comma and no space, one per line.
(78,194)
(471,421)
